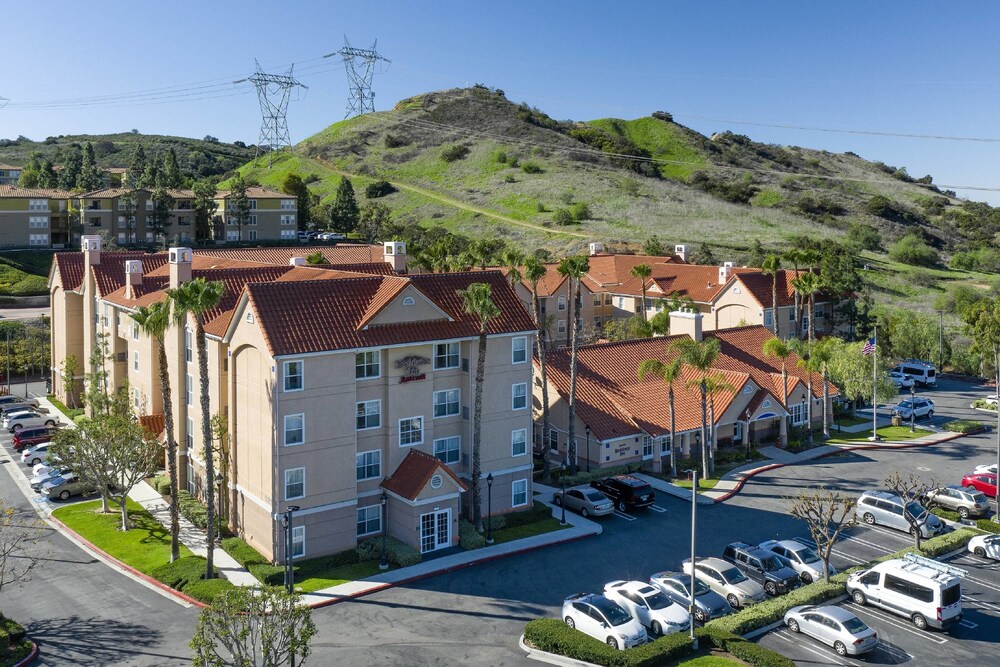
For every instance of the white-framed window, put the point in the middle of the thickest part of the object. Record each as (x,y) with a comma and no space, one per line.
(288,219)
(369,415)
(295,429)
(232,235)
(598,322)
(561,326)
(446,403)
(597,300)
(188,346)
(791,314)
(295,483)
(411,431)
(149,204)
(647,446)
(252,220)
(448,450)
(287,204)
(519,492)
(135,331)
(252,235)
(293,375)
(38,222)
(518,350)
(121,204)
(561,303)
(798,413)
(189,390)
(519,442)
(38,204)
(664,441)
(369,520)
(189,441)
(298,541)
(253,204)
(135,361)
(519,396)
(39,239)
(121,235)
(768,318)
(191,486)
(288,234)
(621,302)
(135,397)
(445,356)
(368,464)
(805,321)
(367,365)
(818,311)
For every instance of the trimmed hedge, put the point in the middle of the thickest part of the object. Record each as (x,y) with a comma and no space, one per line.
(538,512)
(161,483)
(468,537)
(194,510)
(966,425)
(587,477)
(181,572)
(988,525)
(398,553)
(757,655)
(267,574)
(242,553)
(205,590)
(14,630)
(942,544)
(773,609)
(554,636)
(946,514)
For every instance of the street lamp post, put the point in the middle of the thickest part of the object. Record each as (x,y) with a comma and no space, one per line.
(286,522)
(913,412)
(489,508)
(694,536)
(587,430)
(562,499)
(805,415)
(746,436)
(384,562)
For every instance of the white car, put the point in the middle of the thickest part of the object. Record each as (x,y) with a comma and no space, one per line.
(726,580)
(800,558)
(50,463)
(984,469)
(16,421)
(32,456)
(602,619)
(649,606)
(901,380)
(834,626)
(985,546)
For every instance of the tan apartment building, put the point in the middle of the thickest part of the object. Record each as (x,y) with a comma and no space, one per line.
(620,420)
(9,174)
(273,215)
(337,386)
(33,217)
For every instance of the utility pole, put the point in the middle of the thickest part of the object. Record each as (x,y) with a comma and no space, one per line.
(360,66)
(940,341)
(273,94)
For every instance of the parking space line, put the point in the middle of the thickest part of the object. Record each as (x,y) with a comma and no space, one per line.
(823,654)
(923,634)
(657,508)
(836,552)
(968,624)
(622,515)
(894,651)
(873,545)
(980,603)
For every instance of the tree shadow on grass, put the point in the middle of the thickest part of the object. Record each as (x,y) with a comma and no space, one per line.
(100,641)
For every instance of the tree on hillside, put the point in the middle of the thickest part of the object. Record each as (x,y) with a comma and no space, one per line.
(705,255)
(47,176)
(757,254)
(129,200)
(159,218)
(72,163)
(205,206)
(827,514)
(137,162)
(238,207)
(344,214)
(374,218)
(654,246)
(90,177)
(171,170)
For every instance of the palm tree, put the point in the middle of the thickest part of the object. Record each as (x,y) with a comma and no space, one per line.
(700,354)
(778,349)
(804,350)
(574,267)
(807,285)
(794,257)
(669,372)
(642,271)
(771,267)
(477,300)
(513,260)
(715,384)
(192,300)
(154,320)
(534,271)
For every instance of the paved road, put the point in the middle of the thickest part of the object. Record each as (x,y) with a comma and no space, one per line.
(23,313)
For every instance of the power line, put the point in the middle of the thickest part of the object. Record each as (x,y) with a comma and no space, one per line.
(273,94)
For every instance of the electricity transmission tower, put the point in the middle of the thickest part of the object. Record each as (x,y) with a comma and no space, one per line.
(273,93)
(360,66)
(3,101)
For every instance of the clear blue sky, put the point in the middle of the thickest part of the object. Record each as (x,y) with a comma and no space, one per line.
(889,66)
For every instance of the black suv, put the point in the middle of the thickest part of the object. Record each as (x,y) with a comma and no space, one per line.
(626,491)
(763,566)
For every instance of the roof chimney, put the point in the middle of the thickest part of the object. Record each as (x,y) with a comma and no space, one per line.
(297,261)
(683,252)
(133,277)
(180,266)
(596,248)
(91,247)
(725,272)
(394,253)
(686,322)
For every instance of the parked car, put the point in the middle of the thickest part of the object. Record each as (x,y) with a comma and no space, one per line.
(649,606)
(916,407)
(801,558)
(26,419)
(763,566)
(926,591)
(32,436)
(588,502)
(50,462)
(985,546)
(957,499)
(901,380)
(627,492)
(38,479)
(984,482)
(986,467)
(885,508)
(12,400)
(602,619)
(834,626)
(32,456)
(707,603)
(67,485)
(924,373)
(726,580)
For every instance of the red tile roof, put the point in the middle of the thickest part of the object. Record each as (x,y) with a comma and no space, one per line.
(154,424)
(413,474)
(606,270)
(298,318)
(69,267)
(14,191)
(334,254)
(109,275)
(760,285)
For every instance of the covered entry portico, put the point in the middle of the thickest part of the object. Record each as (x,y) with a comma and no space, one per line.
(424,501)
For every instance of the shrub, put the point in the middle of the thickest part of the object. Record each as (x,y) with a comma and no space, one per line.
(4,643)
(538,512)
(392,141)
(14,630)
(584,477)
(579,211)
(988,525)
(563,217)
(966,425)
(454,152)
(243,553)
(161,483)
(468,537)
(982,404)
(500,156)
(181,572)
(509,178)
(942,544)
(554,636)
(946,514)
(194,510)
(531,168)
(757,655)
(774,609)
(270,575)
(205,590)
(498,521)
(662,651)
(379,188)
(911,249)
(398,553)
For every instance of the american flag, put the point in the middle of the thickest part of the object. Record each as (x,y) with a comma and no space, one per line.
(869,347)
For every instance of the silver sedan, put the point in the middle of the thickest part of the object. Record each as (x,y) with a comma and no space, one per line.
(834,626)
(588,502)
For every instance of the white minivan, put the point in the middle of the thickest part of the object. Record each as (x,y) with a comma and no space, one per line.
(927,592)
(924,373)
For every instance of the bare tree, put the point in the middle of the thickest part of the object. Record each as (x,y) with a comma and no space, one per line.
(68,370)
(18,552)
(827,514)
(253,627)
(910,489)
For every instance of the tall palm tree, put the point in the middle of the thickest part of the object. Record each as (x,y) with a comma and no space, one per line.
(779,349)
(807,286)
(794,257)
(534,271)
(669,372)
(154,320)
(477,300)
(772,267)
(574,267)
(513,260)
(192,300)
(642,271)
(715,384)
(700,355)
(805,349)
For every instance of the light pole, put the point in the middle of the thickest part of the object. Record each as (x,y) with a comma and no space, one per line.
(747,434)
(805,415)
(940,340)
(286,522)
(694,535)
(489,508)
(587,430)
(913,411)
(384,562)
(562,499)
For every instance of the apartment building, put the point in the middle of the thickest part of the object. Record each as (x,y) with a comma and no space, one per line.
(339,385)
(273,215)
(9,174)
(620,420)
(33,217)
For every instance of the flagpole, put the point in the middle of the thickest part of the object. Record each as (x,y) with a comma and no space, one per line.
(875,387)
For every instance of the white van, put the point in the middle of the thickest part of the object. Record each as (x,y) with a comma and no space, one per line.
(927,592)
(924,373)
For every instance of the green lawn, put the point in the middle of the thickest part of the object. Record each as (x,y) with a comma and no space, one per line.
(703,484)
(145,547)
(849,421)
(337,575)
(527,530)
(71,413)
(891,433)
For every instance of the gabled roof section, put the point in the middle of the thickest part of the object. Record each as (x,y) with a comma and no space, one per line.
(760,286)
(16,192)
(69,266)
(109,275)
(333,254)
(414,473)
(609,270)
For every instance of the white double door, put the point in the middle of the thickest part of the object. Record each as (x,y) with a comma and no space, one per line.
(435,530)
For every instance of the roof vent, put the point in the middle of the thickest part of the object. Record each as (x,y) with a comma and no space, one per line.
(297,261)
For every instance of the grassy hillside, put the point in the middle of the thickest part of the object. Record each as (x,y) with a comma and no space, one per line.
(24,273)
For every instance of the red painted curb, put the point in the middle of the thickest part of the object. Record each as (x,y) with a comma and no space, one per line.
(127,568)
(753,473)
(31,656)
